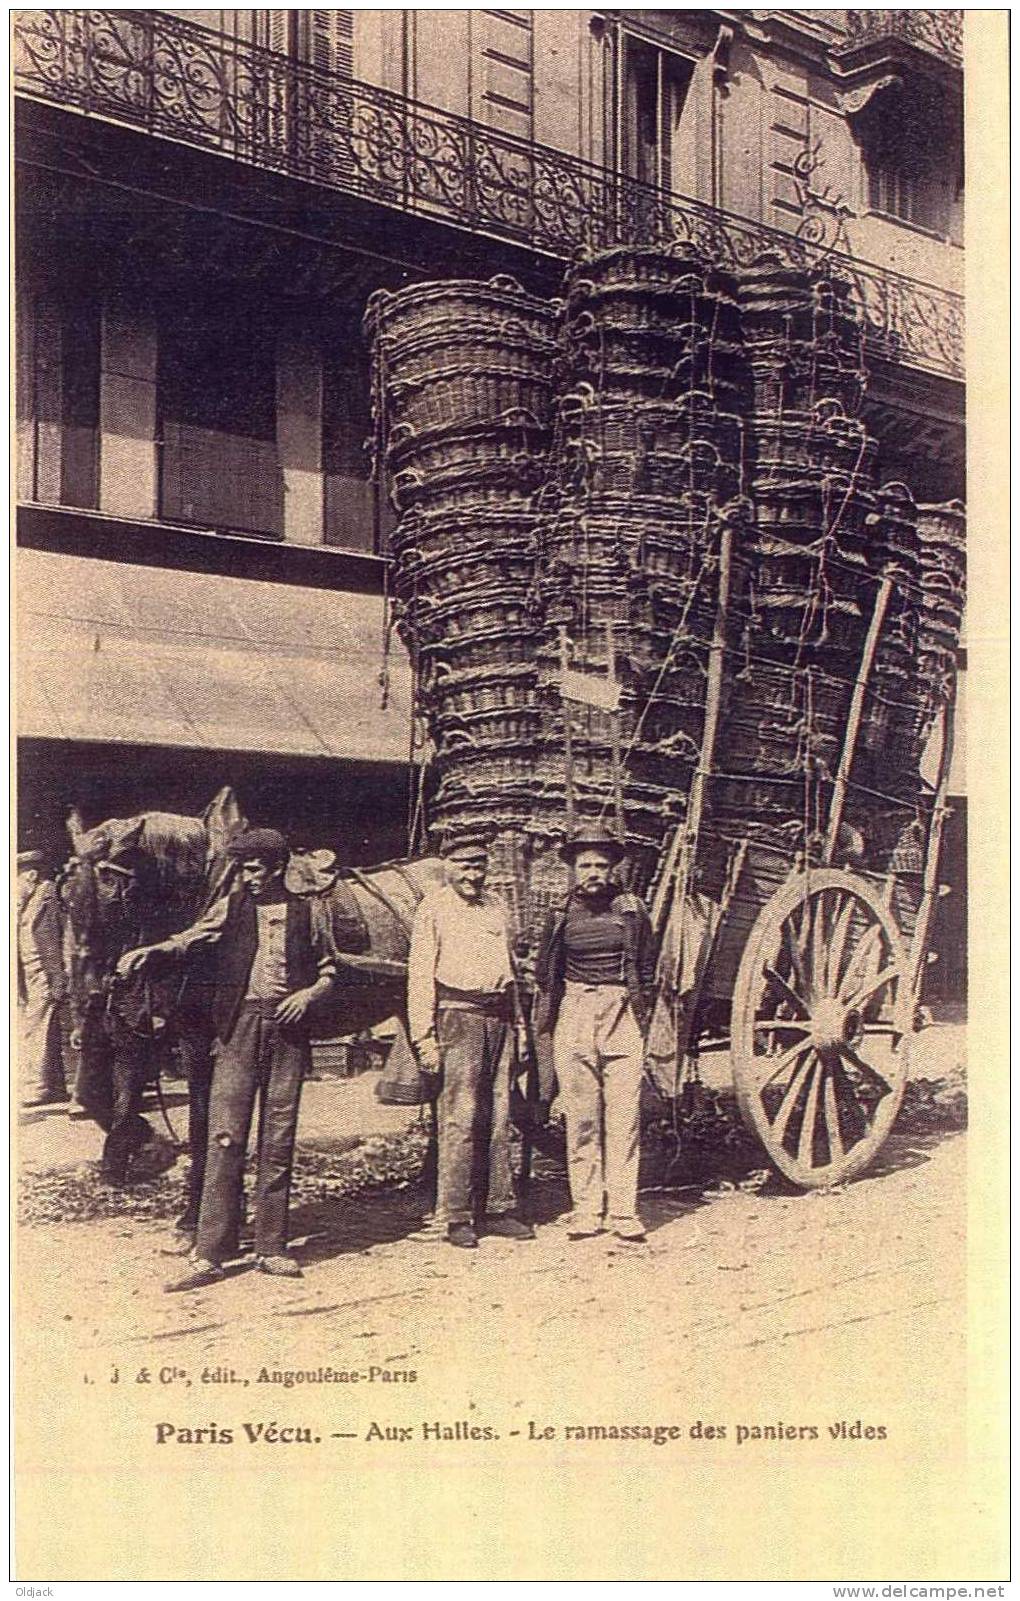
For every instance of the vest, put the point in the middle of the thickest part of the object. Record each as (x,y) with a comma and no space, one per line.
(235,954)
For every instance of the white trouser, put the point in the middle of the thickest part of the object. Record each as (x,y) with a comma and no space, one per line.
(598,1050)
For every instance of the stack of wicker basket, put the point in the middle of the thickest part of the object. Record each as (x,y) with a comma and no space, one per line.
(648,447)
(811,578)
(942,539)
(463,376)
(914,675)
(563,487)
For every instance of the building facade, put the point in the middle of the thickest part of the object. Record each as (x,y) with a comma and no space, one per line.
(206,200)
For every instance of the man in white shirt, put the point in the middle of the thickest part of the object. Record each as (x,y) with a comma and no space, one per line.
(461,1000)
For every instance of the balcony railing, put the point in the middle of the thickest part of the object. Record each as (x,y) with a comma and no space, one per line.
(149,70)
(939,33)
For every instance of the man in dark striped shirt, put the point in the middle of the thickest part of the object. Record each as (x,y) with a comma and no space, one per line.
(595,970)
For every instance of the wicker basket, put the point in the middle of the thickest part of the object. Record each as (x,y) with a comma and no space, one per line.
(464,395)
(470,349)
(646,264)
(455,304)
(497,648)
(487,486)
(443,530)
(482,689)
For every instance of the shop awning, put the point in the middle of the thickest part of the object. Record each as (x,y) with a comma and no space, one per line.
(109,651)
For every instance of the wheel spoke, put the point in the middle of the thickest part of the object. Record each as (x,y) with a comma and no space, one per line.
(840,929)
(788,991)
(806,1142)
(796,958)
(782,1062)
(873,985)
(789,1100)
(781,1025)
(836,1148)
(856,1122)
(862,955)
(850,1055)
(817,986)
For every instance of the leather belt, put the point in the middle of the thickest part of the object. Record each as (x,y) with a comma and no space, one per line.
(496,1003)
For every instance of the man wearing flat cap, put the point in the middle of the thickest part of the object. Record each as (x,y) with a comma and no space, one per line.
(274,959)
(461,1006)
(42,985)
(594,973)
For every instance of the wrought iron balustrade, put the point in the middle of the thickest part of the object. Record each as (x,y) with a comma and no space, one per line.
(940,33)
(156,72)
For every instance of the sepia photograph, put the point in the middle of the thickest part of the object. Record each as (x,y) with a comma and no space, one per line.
(498,886)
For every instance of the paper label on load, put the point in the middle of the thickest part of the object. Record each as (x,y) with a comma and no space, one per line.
(590,689)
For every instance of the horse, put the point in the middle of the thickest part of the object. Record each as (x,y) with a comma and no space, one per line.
(135,881)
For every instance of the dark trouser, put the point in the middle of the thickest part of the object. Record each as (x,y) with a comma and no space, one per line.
(260,1058)
(474,1113)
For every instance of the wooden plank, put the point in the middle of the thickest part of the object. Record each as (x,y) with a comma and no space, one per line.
(930,882)
(568,739)
(853,722)
(614,727)
(685,839)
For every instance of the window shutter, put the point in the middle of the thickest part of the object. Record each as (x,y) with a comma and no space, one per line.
(278,33)
(327,40)
(221,480)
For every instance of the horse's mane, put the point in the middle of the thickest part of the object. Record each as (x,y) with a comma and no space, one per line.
(176,847)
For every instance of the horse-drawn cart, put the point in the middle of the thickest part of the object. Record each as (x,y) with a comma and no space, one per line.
(647,569)
(694,607)
(808,967)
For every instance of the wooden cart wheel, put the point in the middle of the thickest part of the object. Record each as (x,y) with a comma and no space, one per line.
(821,1026)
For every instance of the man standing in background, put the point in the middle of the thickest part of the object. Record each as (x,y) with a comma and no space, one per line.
(42,985)
(461,1004)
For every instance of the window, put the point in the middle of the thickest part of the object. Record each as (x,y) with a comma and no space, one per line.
(913,156)
(217,408)
(80,454)
(57,400)
(655,86)
(350,513)
(357,517)
(911,191)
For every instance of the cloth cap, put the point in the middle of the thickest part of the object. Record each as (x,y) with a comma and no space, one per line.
(265,844)
(592,837)
(465,845)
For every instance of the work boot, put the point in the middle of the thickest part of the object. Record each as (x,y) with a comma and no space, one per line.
(629,1228)
(582,1227)
(281,1267)
(181,1243)
(509,1228)
(462,1234)
(199,1274)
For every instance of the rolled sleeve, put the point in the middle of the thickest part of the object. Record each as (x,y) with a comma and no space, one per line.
(323,943)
